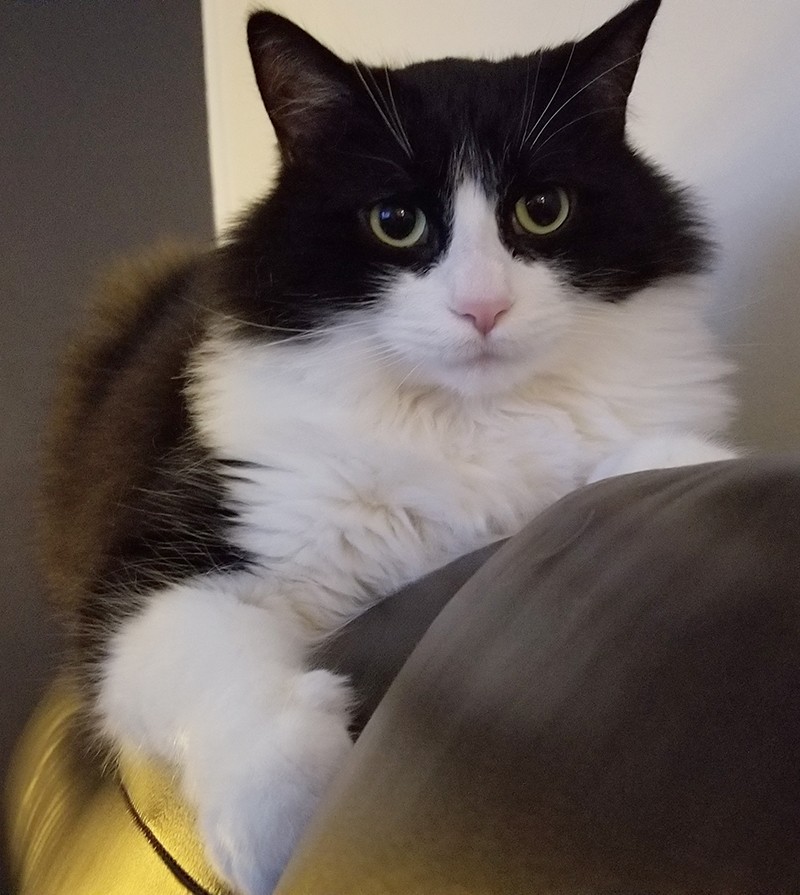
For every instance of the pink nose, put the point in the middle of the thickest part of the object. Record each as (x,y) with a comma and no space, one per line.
(484,314)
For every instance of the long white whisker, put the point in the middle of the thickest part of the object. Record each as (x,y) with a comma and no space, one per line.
(540,146)
(408,375)
(552,98)
(298,335)
(577,93)
(521,128)
(379,107)
(396,127)
(222,315)
(531,104)
(324,335)
(381,160)
(397,119)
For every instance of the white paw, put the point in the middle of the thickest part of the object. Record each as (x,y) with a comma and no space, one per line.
(660,452)
(255,795)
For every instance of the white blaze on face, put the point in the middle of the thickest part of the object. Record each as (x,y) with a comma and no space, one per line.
(479,321)
(475,268)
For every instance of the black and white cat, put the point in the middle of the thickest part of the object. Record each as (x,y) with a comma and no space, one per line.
(465,296)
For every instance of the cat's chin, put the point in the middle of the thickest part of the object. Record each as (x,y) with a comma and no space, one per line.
(485,375)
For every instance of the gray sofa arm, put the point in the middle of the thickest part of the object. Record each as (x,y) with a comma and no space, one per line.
(609,703)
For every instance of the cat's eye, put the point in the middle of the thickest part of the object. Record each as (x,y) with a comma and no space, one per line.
(398,224)
(542,212)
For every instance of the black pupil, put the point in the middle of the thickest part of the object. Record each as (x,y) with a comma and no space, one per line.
(397,221)
(544,207)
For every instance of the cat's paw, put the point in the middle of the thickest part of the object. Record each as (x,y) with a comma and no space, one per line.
(660,452)
(255,798)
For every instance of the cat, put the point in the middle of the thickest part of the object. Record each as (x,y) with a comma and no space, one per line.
(465,296)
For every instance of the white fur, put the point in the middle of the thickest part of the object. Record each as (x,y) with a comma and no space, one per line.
(661,453)
(421,321)
(402,439)
(218,689)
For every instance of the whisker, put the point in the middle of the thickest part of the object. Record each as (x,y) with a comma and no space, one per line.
(408,375)
(521,128)
(530,105)
(376,158)
(397,119)
(577,93)
(552,98)
(298,335)
(379,107)
(223,315)
(325,334)
(540,146)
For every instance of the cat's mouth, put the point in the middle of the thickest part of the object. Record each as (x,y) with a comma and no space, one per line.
(480,368)
(483,354)
(488,358)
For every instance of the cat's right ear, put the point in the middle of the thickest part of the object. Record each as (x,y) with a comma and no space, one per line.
(302,83)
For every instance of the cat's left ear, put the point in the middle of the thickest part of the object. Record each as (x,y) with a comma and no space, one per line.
(608,59)
(302,83)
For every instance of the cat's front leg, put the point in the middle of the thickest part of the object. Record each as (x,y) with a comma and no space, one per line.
(660,452)
(219,689)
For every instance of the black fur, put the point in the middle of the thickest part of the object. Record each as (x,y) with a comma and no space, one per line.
(131,498)
(306,253)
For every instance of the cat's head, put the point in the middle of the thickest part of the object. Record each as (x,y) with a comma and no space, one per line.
(460,212)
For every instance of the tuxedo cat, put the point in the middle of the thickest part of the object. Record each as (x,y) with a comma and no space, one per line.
(465,296)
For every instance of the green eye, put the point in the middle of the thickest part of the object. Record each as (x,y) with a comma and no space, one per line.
(397,224)
(542,212)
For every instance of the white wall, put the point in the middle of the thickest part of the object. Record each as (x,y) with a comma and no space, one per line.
(717,102)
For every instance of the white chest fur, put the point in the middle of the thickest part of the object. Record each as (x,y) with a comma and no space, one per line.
(360,482)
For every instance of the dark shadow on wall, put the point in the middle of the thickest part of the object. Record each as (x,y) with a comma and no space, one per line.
(104,151)
(750,167)
(765,347)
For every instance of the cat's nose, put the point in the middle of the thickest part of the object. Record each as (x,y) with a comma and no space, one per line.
(484,314)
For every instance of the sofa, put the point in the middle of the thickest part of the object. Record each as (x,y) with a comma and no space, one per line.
(608,702)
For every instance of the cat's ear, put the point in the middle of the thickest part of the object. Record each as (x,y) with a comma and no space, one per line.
(302,83)
(609,57)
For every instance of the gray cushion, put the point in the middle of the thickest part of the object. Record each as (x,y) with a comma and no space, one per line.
(610,704)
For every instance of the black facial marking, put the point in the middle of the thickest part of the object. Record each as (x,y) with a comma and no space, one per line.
(552,120)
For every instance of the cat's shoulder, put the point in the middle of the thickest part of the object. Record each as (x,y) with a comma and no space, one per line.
(118,409)
(143,315)
(132,288)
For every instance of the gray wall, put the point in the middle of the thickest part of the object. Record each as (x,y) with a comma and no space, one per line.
(103,150)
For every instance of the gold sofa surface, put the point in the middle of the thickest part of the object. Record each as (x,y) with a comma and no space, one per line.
(75,830)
